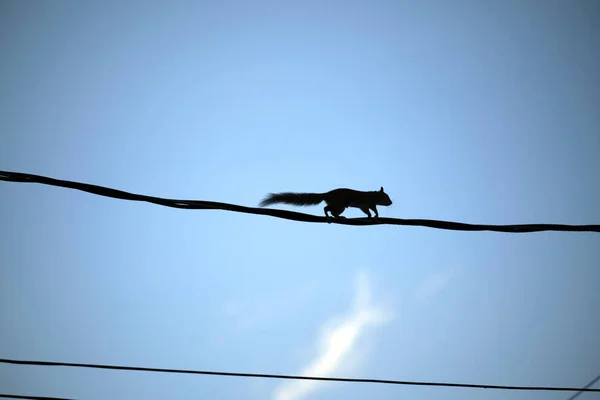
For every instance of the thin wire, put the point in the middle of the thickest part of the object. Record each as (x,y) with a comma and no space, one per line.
(311,378)
(290,215)
(596,379)
(16,396)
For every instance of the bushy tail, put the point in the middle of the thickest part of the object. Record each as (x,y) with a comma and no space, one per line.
(296,199)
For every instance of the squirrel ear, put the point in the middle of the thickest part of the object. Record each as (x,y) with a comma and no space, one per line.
(381,190)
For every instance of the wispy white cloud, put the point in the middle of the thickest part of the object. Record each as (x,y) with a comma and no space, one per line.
(338,342)
(433,285)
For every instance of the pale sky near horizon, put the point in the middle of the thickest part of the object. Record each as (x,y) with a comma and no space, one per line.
(464,110)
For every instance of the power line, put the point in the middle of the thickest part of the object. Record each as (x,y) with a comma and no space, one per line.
(295,377)
(16,396)
(596,379)
(290,215)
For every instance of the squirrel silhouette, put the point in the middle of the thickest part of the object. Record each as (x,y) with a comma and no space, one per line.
(337,200)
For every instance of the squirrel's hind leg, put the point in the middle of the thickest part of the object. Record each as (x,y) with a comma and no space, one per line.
(335,211)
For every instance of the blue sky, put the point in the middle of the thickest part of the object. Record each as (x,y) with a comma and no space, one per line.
(471,111)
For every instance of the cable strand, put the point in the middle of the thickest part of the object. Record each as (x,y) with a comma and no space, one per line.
(18,396)
(294,377)
(290,215)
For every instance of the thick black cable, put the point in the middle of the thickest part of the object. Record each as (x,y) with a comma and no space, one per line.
(295,377)
(16,396)
(291,215)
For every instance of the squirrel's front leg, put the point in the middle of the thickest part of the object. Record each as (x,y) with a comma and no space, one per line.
(366,211)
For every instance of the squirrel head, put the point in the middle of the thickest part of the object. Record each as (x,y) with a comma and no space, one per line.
(384,198)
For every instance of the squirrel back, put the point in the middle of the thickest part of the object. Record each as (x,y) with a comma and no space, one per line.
(337,200)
